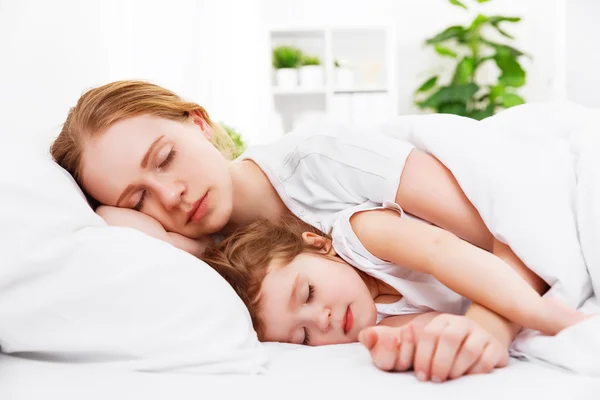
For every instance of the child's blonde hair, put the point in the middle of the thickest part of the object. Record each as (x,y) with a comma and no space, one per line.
(243,258)
(99,108)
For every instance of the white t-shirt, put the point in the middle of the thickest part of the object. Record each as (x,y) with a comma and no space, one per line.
(324,174)
(420,292)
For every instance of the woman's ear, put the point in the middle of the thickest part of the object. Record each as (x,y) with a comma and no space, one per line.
(320,243)
(199,120)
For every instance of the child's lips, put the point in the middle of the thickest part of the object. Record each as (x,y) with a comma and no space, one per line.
(348,321)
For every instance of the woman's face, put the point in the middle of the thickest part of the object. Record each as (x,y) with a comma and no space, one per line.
(163,168)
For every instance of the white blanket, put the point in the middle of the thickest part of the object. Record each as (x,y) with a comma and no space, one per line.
(533,173)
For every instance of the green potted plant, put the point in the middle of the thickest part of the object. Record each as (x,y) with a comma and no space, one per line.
(285,61)
(240,145)
(311,72)
(471,48)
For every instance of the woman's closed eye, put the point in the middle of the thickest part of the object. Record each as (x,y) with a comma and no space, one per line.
(140,203)
(168,160)
(164,164)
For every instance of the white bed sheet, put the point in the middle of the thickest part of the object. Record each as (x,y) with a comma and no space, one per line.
(342,371)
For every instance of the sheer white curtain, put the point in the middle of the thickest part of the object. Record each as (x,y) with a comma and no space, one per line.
(214,52)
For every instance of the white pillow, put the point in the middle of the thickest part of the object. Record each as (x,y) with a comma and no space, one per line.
(73,289)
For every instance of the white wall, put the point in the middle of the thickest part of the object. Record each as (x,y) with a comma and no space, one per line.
(418,20)
(216,52)
(583,51)
(52,51)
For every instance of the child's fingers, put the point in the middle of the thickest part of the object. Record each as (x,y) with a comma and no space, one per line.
(385,353)
(368,338)
(384,349)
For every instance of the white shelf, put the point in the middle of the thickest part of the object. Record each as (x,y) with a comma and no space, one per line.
(361,89)
(298,91)
(325,90)
(370,52)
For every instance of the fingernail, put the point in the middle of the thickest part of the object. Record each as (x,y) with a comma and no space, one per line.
(435,379)
(421,376)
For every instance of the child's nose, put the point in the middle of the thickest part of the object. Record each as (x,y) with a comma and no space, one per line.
(324,319)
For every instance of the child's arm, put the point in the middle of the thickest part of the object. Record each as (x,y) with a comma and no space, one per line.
(468,270)
(430,191)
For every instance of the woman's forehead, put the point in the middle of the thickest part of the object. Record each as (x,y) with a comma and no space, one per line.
(111,161)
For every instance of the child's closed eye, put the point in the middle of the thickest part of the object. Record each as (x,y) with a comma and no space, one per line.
(311,293)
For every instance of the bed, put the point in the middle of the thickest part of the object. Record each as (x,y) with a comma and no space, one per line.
(91,311)
(342,371)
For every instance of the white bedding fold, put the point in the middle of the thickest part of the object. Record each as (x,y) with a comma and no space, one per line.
(533,174)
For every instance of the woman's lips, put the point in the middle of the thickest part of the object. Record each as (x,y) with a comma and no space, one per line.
(198,210)
(348,321)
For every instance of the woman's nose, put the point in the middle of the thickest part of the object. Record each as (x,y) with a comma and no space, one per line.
(170,193)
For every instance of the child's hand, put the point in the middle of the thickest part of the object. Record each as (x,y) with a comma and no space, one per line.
(392,348)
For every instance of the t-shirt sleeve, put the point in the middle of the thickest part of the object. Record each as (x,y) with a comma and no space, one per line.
(345,168)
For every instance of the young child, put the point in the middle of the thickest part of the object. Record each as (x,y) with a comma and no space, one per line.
(299,290)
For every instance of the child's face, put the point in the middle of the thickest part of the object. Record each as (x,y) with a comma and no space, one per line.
(317,299)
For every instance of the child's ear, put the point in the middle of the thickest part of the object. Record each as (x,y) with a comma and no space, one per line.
(320,243)
(201,122)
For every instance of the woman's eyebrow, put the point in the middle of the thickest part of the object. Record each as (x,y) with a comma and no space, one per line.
(144,162)
(143,165)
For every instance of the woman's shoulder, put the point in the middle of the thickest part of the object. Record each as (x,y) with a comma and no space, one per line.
(333,140)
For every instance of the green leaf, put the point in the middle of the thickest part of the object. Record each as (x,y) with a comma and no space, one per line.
(482,1)
(511,100)
(480,114)
(286,57)
(458,3)
(452,32)
(481,98)
(444,51)
(453,108)
(504,48)
(450,94)
(478,21)
(310,60)
(497,91)
(512,72)
(240,145)
(496,20)
(482,60)
(464,72)
(427,85)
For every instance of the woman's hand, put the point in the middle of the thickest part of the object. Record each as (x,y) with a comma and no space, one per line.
(451,346)
(195,247)
(447,347)
(134,219)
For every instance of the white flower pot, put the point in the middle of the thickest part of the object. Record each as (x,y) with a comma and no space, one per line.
(344,77)
(286,77)
(311,76)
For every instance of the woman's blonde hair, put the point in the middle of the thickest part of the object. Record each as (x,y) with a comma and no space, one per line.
(244,257)
(99,108)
